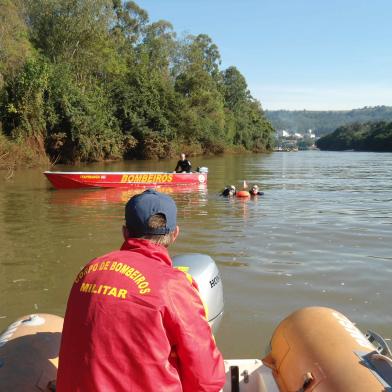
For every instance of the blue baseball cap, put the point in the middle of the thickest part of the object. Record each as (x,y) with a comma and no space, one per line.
(141,207)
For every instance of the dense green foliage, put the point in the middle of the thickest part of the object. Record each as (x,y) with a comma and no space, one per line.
(375,136)
(95,79)
(323,122)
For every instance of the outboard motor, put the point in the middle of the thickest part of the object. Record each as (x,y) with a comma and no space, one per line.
(205,272)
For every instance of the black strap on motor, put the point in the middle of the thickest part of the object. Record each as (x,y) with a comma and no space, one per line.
(235,378)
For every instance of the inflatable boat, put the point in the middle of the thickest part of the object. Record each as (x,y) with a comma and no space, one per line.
(313,349)
(76,180)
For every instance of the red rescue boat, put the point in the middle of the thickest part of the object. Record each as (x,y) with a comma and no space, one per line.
(75,180)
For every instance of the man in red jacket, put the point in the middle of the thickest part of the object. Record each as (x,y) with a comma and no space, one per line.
(133,322)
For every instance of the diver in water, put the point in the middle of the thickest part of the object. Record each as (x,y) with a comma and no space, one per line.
(229,191)
(254,191)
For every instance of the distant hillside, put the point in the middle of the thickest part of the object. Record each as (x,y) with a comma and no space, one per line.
(324,122)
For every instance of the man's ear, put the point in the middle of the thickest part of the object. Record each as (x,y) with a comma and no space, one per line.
(125,232)
(176,232)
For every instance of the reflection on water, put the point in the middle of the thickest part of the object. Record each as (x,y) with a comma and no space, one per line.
(319,236)
(93,197)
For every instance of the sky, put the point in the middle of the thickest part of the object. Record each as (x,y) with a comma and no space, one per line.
(296,54)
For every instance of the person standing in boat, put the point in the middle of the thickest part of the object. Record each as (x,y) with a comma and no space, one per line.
(133,322)
(183,165)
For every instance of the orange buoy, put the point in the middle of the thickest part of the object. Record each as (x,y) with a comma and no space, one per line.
(243,194)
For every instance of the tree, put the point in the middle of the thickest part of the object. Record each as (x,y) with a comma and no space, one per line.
(15,47)
(370,136)
(130,20)
(23,103)
(75,32)
(196,81)
(252,130)
(159,46)
(234,88)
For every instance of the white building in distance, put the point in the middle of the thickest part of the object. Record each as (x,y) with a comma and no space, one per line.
(311,134)
(282,133)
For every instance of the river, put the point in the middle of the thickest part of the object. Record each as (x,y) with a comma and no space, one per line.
(321,235)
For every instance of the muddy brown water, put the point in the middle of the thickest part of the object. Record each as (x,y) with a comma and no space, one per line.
(321,235)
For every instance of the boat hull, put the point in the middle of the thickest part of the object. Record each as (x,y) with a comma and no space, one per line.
(137,180)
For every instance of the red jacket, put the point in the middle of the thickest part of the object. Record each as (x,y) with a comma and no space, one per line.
(134,323)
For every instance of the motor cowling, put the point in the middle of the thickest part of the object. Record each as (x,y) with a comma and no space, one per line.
(318,349)
(29,350)
(205,272)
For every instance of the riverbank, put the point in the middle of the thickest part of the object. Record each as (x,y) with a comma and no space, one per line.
(370,137)
(15,155)
(118,94)
(31,154)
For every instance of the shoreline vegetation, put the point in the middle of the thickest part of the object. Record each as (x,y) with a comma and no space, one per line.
(370,136)
(93,80)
